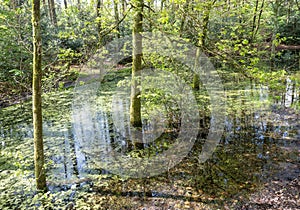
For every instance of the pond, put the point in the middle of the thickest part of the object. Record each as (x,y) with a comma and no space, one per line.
(259,145)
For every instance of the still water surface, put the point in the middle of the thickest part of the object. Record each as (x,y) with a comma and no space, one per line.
(261,140)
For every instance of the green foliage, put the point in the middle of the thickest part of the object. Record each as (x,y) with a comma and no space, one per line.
(77,33)
(233,40)
(239,48)
(15,41)
(289,23)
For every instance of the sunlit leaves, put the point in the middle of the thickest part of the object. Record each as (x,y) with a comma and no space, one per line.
(164,17)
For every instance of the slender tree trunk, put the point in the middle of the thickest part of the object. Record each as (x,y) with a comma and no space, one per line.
(276,7)
(254,20)
(49,10)
(293,92)
(185,11)
(135,101)
(288,13)
(256,24)
(52,12)
(150,5)
(117,19)
(78,4)
(123,7)
(259,17)
(201,42)
(99,25)
(66,4)
(162,5)
(40,176)
(196,78)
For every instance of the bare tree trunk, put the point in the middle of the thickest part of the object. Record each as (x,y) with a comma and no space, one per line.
(49,10)
(254,20)
(78,4)
(196,78)
(162,4)
(135,101)
(182,24)
(150,5)
(123,7)
(52,12)
(99,25)
(117,19)
(259,17)
(293,92)
(255,24)
(276,7)
(201,42)
(66,4)
(40,176)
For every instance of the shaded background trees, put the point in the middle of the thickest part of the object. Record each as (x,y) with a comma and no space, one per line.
(254,41)
(238,36)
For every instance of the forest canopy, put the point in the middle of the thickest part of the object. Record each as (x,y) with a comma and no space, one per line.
(174,104)
(251,37)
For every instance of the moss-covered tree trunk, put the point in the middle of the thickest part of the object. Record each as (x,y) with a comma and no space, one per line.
(40,176)
(135,100)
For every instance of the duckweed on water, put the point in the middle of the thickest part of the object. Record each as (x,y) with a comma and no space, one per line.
(260,140)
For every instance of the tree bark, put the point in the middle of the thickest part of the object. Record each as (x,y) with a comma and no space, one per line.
(185,11)
(256,24)
(276,7)
(78,4)
(150,5)
(52,12)
(254,20)
(40,176)
(117,19)
(162,5)
(201,43)
(135,101)
(66,4)
(123,2)
(99,25)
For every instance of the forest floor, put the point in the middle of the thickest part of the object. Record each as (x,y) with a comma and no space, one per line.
(281,191)
(279,187)
(8,99)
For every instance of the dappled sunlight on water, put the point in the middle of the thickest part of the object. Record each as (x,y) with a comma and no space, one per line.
(260,142)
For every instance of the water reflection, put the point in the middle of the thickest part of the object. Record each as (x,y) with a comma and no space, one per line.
(257,134)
